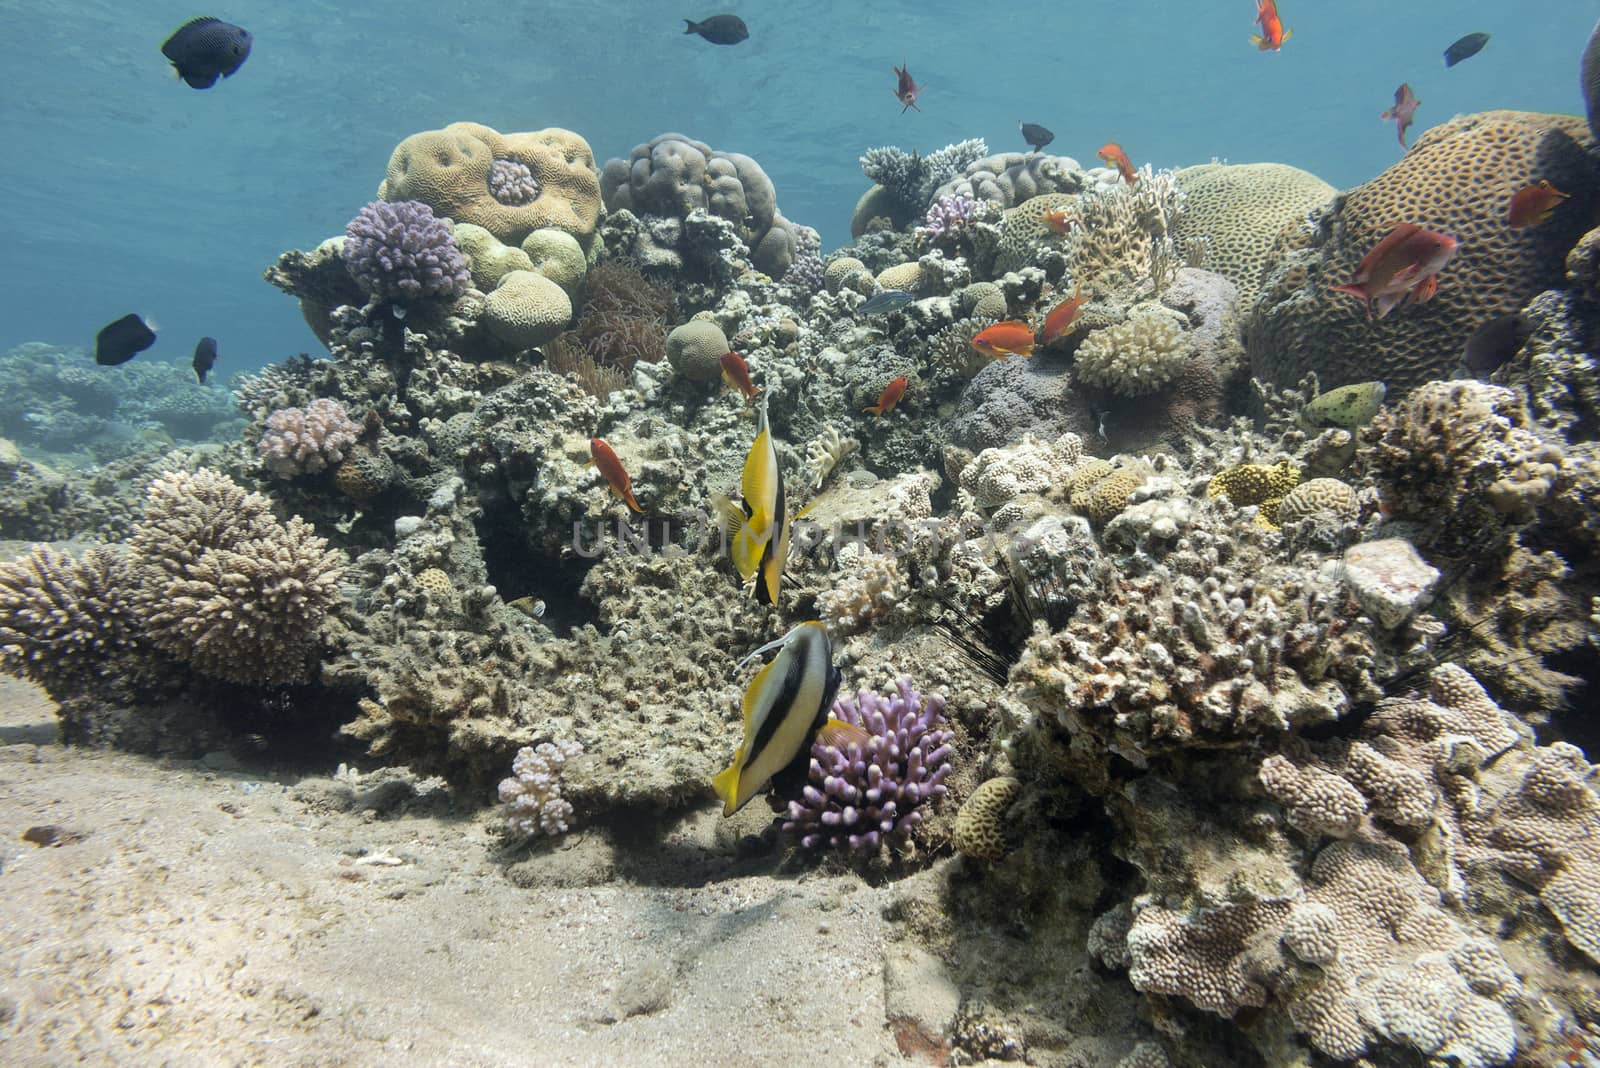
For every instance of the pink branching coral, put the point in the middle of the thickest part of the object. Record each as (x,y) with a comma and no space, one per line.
(301,441)
(532,795)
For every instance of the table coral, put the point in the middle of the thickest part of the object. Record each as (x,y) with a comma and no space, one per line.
(1455,179)
(509,184)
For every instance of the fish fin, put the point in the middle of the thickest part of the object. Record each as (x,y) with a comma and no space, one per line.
(874,409)
(632,502)
(692,26)
(776,643)
(1386,302)
(841,735)
(1257,40)
(1287,33)
(726,784)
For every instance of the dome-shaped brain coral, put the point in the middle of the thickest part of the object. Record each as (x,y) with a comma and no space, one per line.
(1457,179)
(980,827)
(509,184)
(1238,211)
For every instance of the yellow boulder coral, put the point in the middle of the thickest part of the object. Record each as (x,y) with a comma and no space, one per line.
(980,830)
(526,310)
(509,184)
(487,257)
(1246,484)
(1239,210)
(905,276)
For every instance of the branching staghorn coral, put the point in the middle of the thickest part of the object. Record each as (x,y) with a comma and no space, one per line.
(911,178)
(1124,235)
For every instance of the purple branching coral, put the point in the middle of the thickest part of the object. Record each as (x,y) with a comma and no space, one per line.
(874,793)
(532,795)
(402,251)
(806,272)
(511,182)
(949,215)
(302,441)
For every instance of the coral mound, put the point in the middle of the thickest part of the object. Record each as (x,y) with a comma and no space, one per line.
(509,184)
(1456,179)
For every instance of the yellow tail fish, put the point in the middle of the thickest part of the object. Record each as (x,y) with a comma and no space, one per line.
(760,528)
(784,707)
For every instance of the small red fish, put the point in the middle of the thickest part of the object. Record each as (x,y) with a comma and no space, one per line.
(1113,156)
(736,373)
(1060,220)
(1402,265)
(1405,106)
(889,397)
(611,469)
(1272,34)
(1059,322)
(1010,338)
(907,90)
(1534,204)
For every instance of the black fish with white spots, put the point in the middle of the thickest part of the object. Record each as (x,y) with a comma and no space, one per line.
(205,358)
(720,29)
(204,48)
(121,341)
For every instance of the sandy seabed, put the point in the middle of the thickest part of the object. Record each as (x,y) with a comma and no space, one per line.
(200,913)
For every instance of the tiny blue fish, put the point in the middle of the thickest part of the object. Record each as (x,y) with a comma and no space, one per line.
(885,302)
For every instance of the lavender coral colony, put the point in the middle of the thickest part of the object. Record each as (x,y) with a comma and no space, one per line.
(874,790)
(402,252)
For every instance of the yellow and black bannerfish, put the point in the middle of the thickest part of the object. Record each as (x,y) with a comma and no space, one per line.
(760,528)
(784,707)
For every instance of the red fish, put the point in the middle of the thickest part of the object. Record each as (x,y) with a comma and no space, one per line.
(1010,338)
(889,397)
(1059,220)
(611,469)
(1405,106)
(736,373)
(1112,154)
(907,90)
(1272,34)
(1534,204)
(1402,265)
(1059,322)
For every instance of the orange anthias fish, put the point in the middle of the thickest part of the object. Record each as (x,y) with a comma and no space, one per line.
(906,91)
(889,397)
(1059,322)
(1010,338)
(736,373)
(1534,204)
(1272,34)
(1113,156)
(1405,106)
(611,469)
(1060,220)
(1402,265)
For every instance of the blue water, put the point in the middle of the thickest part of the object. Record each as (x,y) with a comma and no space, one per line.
(125,190)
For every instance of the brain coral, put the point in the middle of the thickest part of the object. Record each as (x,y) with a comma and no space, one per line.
(1457,178)
(672,175)
(526,310)
(509,184)
(1239,210)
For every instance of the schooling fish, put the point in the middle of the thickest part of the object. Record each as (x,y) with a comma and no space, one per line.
(1036,136)
(759,525)
(906,91)
(1010,338)
(887,301)
(1466,48)
(1113,156)
(1534,204)
(203,48)
(205,357)
(720,29)
(1400,266)
(1405,106)
(889,397)
(1058,323)
(611,469)
(1272,34)
(121,341)
(736,373)
(1495,342)
(784,707)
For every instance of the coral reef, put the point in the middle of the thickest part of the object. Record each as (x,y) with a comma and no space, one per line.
(299,441)
(871,793)
(532,795)
(907,180)
(1137,356)
(1454,179)
(980,825)
(1009,178)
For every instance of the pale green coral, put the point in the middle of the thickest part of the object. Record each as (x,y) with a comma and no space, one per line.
(488,259)
(558,256)
(1137,356)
